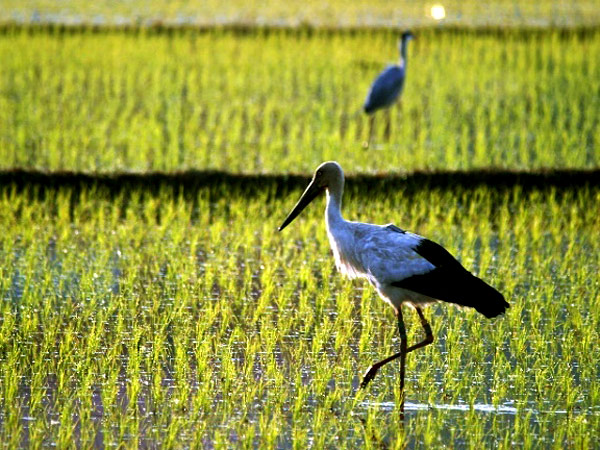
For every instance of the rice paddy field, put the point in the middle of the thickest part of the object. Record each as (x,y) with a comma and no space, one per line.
(149,151)
(182,318)
(275,101)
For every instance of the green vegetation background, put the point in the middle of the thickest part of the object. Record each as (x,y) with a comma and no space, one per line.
(181,317)
(172,316)
(278,101)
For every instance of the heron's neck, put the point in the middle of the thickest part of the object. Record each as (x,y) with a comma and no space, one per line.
(403,52)
(333,212)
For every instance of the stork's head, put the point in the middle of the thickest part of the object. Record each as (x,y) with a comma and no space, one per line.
(328,176)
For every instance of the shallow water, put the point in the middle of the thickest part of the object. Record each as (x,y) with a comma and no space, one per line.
(116,339)
(478,407)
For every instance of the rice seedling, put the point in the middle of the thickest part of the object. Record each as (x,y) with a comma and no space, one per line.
(181,317)
(278,101)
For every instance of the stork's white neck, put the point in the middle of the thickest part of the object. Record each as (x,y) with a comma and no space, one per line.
(333,211)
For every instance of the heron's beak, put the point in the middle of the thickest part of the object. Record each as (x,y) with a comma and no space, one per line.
(308,196)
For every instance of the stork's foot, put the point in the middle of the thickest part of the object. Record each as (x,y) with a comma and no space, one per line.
(369,375)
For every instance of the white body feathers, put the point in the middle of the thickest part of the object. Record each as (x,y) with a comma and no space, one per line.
(403,267)
(382,254)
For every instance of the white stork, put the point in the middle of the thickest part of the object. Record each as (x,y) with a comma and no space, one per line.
(403,267)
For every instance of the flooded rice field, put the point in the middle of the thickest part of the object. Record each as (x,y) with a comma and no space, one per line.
(181,317)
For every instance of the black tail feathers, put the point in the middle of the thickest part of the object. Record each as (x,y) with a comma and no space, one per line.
(457,286)
(484,298)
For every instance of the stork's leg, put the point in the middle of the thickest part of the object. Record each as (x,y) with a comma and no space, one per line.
(372,371)
(428,334)
(403,352)
(371,123)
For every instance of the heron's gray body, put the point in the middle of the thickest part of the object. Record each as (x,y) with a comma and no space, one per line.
(385,89)
(388,85)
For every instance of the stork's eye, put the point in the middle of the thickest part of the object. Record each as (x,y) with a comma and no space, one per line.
(319,173)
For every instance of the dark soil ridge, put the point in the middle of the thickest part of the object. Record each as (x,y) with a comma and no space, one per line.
(253,184)
(249,28)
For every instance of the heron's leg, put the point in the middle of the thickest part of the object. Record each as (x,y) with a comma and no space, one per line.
(388,124)
(371,122)
(372,371)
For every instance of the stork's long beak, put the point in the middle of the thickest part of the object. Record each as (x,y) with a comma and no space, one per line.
(310,193)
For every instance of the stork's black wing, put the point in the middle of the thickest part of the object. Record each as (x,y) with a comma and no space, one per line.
(451,282)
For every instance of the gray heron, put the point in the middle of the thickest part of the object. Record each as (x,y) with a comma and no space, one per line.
(387,87)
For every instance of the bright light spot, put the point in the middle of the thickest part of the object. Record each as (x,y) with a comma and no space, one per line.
(438,12)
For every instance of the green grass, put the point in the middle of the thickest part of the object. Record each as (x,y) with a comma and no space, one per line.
(285,101)
(184,318)
(334,13)
(180,317)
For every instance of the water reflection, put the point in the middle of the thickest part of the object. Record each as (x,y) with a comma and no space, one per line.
(504,409)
